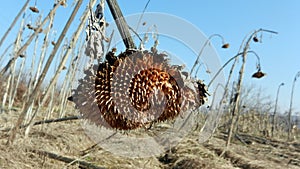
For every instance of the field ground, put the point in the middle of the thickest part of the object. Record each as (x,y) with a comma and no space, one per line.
(65,145)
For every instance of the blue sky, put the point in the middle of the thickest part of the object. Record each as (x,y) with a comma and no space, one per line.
(233,19)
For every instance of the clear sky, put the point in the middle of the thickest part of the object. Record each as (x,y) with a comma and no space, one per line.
(234,19)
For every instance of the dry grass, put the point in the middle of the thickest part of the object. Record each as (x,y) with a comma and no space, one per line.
(68,139)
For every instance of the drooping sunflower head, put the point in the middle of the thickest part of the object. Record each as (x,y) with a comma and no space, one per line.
(134,89)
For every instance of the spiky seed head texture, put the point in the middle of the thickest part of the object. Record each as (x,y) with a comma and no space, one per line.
(134,89)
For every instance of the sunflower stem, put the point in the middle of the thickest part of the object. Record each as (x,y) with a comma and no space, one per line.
(121,23)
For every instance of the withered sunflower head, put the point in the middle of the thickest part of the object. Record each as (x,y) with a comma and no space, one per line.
(259,74)
(255,39)
(134,89)
(34,9)
(226,45)
(63,3)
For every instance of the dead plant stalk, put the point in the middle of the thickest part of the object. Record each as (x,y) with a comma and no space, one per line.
(291,106)
(28,42)
(44,72)
(202,49)
(217,115)
(14,22)
(275,109)
(64,58)
(235,111)
(12,83)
